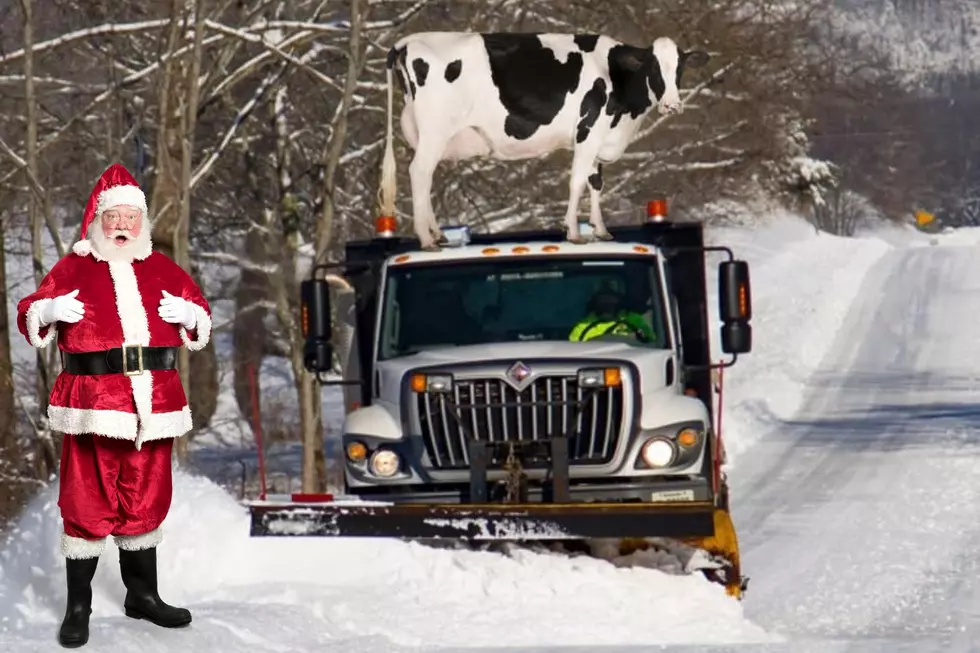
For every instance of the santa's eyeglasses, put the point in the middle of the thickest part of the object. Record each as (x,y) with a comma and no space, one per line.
(115,218)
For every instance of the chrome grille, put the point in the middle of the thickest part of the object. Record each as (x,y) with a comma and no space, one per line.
(491,410)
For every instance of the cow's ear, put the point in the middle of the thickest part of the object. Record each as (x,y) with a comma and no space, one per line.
(695,58)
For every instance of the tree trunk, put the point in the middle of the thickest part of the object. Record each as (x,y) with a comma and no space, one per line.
(203,376)
(311,413)
(15,479)
(8,410)
(311,419)
(249,331)
(47,450)
(171,199)
(335,147)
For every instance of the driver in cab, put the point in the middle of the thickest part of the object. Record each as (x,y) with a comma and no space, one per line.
(608,317)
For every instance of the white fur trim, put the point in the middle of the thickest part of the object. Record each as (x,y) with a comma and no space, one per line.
(136,330)
(77,548)
(119,195)
(203,327)
(139,542)
(84,248)
(118,424)
(34,325)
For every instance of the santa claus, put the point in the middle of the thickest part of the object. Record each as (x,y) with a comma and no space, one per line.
(119,312)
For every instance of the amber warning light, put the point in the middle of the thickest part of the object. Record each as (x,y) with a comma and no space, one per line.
(385,226)
(657,210)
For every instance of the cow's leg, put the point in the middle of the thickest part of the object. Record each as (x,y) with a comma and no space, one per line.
(595,213)
(582,165)
(427,156)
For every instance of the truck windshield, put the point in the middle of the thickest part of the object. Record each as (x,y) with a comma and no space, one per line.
(525,299)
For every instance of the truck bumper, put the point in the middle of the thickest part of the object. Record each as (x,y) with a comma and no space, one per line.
(484,521)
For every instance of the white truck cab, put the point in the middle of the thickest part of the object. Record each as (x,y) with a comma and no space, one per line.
(518,386)
(476,342)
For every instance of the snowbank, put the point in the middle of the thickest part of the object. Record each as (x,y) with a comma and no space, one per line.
(266,594)
(803,283)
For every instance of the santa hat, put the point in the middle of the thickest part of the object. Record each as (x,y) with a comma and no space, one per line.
(114,188)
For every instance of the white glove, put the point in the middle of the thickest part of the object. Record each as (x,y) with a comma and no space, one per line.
(63,309)
(177,310)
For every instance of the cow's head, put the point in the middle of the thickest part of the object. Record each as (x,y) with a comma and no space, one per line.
(664,70)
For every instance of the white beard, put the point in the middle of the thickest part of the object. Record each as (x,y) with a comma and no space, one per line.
(110,251)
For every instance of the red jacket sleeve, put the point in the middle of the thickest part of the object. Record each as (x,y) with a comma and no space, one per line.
(29,309)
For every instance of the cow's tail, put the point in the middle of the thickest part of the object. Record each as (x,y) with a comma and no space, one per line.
(389,174)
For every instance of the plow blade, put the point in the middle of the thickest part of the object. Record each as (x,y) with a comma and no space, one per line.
(720,547)
(514,522)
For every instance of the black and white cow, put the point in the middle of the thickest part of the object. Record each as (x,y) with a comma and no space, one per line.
(513,96)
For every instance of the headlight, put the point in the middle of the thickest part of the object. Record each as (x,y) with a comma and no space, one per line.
(658,452)
(599,377)
(432,383)
(384,463)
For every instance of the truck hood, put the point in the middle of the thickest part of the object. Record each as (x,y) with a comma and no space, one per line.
(652,363)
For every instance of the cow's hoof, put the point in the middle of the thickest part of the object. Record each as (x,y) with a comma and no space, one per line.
(577,239)
(431,247)
(605,235)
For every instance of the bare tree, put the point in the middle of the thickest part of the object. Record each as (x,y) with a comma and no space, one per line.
(171,202)
(47,447)
(8,409)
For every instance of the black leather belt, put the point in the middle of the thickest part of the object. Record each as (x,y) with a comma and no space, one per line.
(130,360)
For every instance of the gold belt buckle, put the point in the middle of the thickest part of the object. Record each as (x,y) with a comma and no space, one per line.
(125,360)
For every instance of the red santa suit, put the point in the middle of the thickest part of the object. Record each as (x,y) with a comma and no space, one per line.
(120,427)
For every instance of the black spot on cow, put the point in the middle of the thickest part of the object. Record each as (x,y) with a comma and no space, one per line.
(595,179)
(396,57)
(453,70)
(586,42)
(592,104)
(531,82)
(421,69)
(393,55)
(632,71)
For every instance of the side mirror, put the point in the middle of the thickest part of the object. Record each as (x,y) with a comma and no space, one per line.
(735,307)
(316,324)
(736,338)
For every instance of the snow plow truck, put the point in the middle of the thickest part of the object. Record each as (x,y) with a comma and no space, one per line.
(478,411)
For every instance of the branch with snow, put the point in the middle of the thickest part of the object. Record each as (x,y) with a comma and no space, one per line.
(105,29)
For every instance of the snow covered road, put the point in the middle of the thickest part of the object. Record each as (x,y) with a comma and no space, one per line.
(859,518)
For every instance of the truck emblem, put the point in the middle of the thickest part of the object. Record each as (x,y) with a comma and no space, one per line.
(519,373)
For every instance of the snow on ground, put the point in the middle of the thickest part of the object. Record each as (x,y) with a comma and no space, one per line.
(803,283)
(268,594)
(297,594)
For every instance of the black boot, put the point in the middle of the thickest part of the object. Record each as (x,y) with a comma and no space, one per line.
(74,629)
(139,575)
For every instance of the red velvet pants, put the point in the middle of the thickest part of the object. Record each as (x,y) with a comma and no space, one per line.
(110,488)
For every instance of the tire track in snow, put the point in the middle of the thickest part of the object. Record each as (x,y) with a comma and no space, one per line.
(849,518)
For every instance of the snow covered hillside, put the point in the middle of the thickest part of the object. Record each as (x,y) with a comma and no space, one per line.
(920,38)
(357,596)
